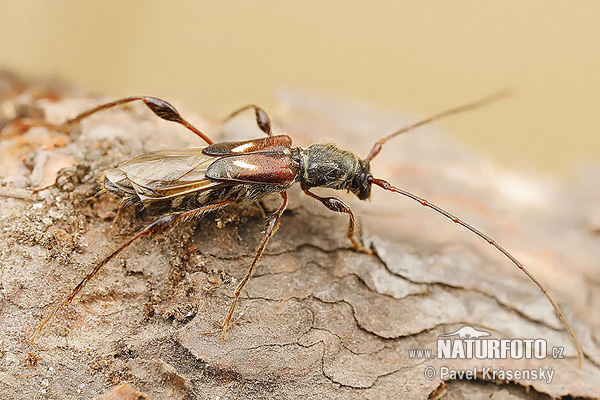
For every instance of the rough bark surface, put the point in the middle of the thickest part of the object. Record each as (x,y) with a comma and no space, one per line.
(318,320)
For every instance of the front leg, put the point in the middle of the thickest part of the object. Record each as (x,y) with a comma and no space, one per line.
(337,205)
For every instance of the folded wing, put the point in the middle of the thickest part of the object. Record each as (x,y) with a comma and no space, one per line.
(162,175)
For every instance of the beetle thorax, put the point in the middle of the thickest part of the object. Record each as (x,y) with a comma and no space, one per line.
(326,165)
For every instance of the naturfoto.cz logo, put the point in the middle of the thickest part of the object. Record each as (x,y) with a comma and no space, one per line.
(466,343)
(473,344)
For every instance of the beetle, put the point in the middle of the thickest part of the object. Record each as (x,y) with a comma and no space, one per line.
(195,181)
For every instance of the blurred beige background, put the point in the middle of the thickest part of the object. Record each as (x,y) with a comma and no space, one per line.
(414,57)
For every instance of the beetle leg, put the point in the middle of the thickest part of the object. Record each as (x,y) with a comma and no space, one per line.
(158,106)
(337,205)
(272,226)
(262,118)
(161,224)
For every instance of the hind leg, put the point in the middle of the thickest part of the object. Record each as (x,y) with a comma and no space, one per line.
(160,107)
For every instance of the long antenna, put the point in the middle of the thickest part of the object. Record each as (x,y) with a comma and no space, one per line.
(466,107)
(387,186)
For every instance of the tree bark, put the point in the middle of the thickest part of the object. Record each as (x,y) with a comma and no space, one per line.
(317,320)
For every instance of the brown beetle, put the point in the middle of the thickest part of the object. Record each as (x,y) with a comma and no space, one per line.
(195,181)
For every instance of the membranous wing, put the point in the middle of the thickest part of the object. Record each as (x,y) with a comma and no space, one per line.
(162,175)
(167,174)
